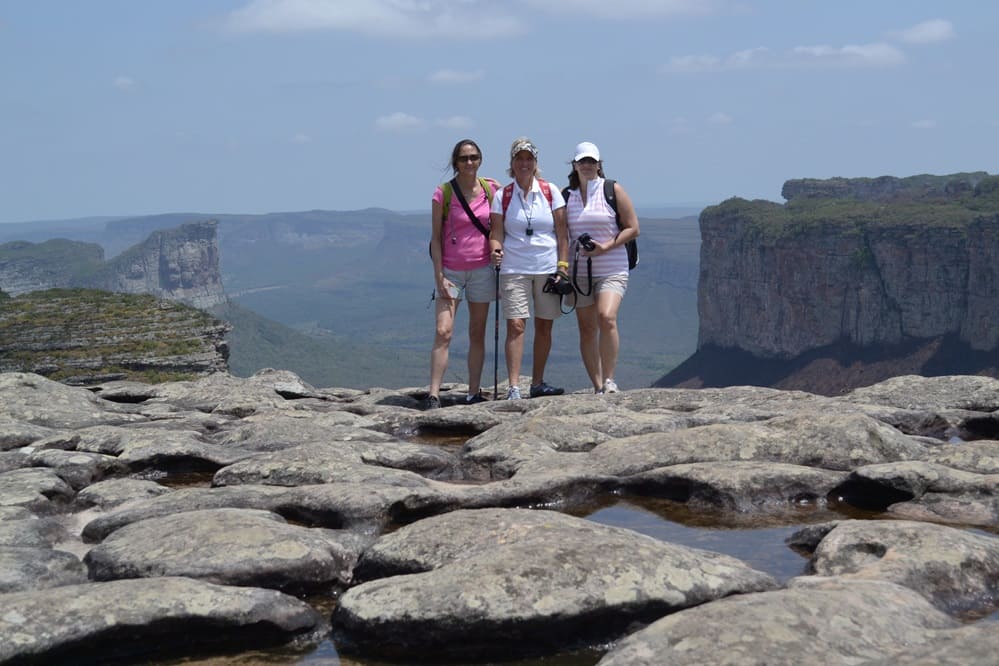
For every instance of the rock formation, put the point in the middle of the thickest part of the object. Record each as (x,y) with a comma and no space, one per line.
(180,264)
(856,269)
(308,499)
(86,336)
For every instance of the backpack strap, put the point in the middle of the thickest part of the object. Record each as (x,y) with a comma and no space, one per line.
(446,191)
(507,197)
(468,210)
(546,189)
(611,198)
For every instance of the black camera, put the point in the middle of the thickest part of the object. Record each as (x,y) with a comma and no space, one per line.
(587,242)
(560,287)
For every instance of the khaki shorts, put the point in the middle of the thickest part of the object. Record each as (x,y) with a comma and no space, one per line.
(477,285)
(519,291)
(617,284)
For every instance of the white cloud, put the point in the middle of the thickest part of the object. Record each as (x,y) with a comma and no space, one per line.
(719,118)
(923,124)
(383,18)
(628,9)
(761,57)
(451,76)
(927,32)
(398,122)
(863,55)
(123,82)
(455,122)
(301,138)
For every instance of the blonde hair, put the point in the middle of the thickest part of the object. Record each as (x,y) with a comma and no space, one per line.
(509,169)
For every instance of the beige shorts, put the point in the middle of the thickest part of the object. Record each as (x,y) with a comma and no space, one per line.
(617,284)
(519,291)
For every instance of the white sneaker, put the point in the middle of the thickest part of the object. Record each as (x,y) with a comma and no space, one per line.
(610,386)
(513,393)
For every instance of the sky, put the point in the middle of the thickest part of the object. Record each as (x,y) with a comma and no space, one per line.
(136,107)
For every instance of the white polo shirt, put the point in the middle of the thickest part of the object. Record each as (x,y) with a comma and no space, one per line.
(535,253)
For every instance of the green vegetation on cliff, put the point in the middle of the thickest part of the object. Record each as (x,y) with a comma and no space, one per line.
(75,334)
(861,203)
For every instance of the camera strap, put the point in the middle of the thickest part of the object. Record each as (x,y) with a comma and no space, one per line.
(589,273)
(468,209)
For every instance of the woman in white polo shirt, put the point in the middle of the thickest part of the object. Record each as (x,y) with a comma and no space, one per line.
(529,242)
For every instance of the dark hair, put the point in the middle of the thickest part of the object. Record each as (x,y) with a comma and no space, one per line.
(457,149)
(574,177)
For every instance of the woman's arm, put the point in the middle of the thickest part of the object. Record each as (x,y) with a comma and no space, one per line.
(496,236)
(436,251)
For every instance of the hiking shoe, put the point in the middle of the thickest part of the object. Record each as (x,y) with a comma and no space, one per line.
(543,389)
(610,386)
(513,393)
(433,402)
(475,399)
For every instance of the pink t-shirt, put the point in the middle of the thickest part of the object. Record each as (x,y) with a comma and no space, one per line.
(465,248)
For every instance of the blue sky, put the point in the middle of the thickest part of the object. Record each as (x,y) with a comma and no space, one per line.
(128,107)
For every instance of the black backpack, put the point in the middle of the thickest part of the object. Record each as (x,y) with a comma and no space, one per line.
(632,245)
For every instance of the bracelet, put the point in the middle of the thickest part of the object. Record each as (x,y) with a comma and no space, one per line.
(563,264)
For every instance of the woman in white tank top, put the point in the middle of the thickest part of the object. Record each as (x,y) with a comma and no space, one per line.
(601,268)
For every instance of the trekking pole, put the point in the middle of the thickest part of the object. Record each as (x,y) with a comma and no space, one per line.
(496,342)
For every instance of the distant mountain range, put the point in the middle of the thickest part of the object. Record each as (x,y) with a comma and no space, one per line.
(355,289)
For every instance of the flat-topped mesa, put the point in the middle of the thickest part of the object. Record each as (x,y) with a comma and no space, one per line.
(780,280)
(179,264)
(885,188)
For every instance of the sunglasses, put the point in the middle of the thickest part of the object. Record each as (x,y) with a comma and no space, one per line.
(469,158)
(586,160)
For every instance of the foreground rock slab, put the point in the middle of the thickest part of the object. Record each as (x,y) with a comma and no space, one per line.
(494,581)
(99,622)
(226,546)
(827,623)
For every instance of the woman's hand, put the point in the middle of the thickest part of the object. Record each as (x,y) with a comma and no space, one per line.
(497,256)
(598,248)
(444,289)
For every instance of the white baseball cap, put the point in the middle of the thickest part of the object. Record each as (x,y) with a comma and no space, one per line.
(586,149)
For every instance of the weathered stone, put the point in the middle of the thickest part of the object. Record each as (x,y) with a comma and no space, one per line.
(973,393)
(981,457)
(956,571)
(878,486)
(829,441)
(34,488)
(34,400)
(112,492)
(25,568)
(362,505)
(340,461)
(11,460)
(975,510)
(30,532)
(737,486)
(77,469)
(509,580)
(224,546)
(274,432)
(822,622)
(15,434)
(140,619)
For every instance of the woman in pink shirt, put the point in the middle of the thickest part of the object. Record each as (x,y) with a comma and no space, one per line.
(459,248)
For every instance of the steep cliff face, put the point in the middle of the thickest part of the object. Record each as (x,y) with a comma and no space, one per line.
(777,281)
(848,283)
(180,264)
